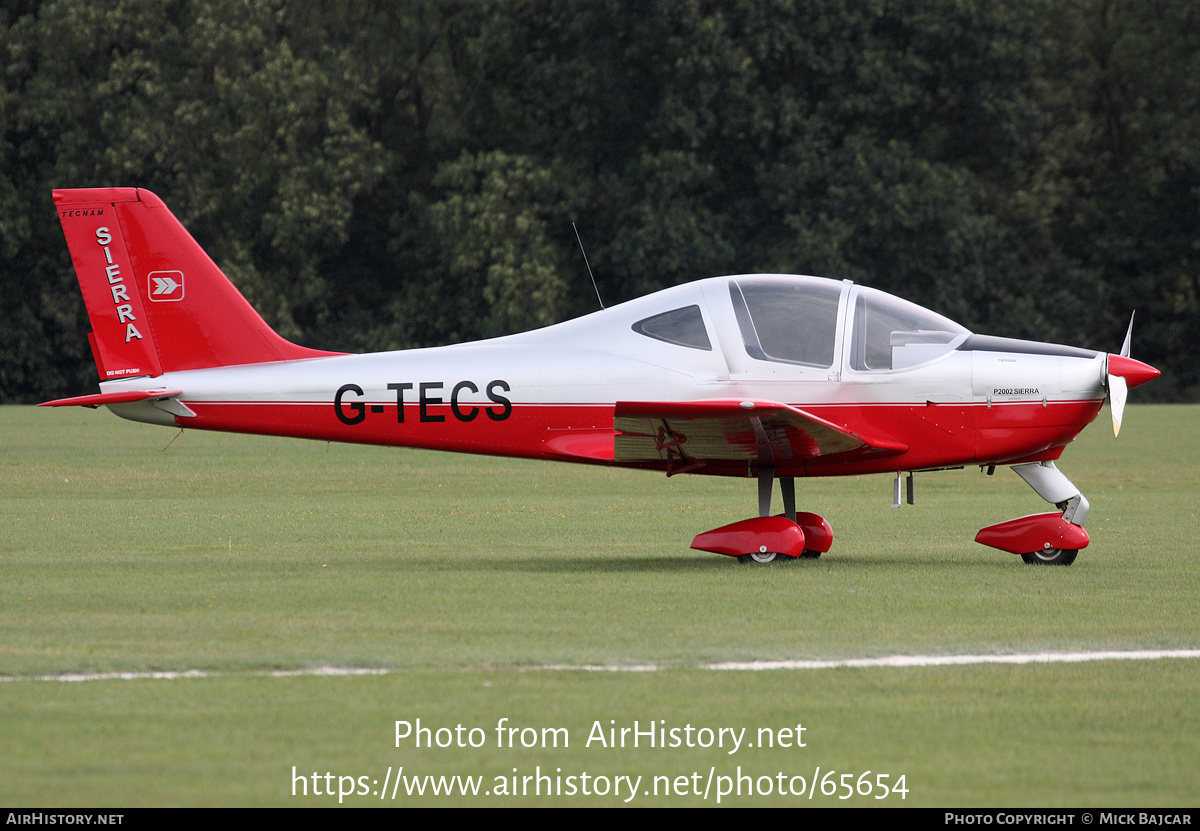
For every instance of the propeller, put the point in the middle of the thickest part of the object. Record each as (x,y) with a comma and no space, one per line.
(1118,394)
(1124,373)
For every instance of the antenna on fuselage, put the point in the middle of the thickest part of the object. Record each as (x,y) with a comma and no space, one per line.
(589,265)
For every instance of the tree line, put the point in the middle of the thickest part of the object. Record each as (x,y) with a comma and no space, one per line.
(379,175)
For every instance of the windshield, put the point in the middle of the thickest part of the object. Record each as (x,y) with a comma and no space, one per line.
(890,333)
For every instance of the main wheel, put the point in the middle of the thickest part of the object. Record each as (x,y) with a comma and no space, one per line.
(763,557)
(1051,557)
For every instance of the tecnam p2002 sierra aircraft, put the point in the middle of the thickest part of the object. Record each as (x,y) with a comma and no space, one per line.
(764,376)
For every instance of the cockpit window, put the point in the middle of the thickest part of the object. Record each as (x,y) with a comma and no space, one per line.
(890,333)
(682,327)
(793,321)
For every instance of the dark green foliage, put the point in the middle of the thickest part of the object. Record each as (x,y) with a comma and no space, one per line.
(384,175)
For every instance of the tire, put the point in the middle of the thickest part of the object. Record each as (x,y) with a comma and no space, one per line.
(810,554)
(1051,557)
(763,558)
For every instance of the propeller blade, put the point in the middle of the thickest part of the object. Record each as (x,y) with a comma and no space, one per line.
(1128,336)
(1118,392)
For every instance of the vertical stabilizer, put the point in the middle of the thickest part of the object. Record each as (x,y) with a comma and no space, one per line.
(156,301)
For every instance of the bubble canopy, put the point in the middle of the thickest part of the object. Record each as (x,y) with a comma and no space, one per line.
(796,321)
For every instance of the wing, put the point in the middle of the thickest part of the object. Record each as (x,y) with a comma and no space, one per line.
(688,435)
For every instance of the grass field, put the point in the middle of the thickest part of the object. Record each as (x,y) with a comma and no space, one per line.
(473,580)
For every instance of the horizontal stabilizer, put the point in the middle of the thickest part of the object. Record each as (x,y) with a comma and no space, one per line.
(100,399)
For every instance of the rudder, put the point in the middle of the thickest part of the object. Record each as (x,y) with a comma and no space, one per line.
(157,303)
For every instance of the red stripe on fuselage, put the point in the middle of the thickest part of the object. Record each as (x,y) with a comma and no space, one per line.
(938,435)
(472,430)
(951,435)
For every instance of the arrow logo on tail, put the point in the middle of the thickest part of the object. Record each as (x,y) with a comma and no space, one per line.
(166,285)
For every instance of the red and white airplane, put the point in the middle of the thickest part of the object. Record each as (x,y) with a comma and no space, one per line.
(769,377)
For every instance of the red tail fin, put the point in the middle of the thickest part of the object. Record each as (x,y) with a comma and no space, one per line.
(156,301)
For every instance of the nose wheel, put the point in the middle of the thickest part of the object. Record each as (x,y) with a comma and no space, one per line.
(1051,557)
(1051,539)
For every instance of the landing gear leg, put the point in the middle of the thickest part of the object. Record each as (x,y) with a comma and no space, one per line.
(766,481)
(1052,485)
(787,487)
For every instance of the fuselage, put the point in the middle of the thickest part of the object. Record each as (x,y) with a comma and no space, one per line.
(852,356)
